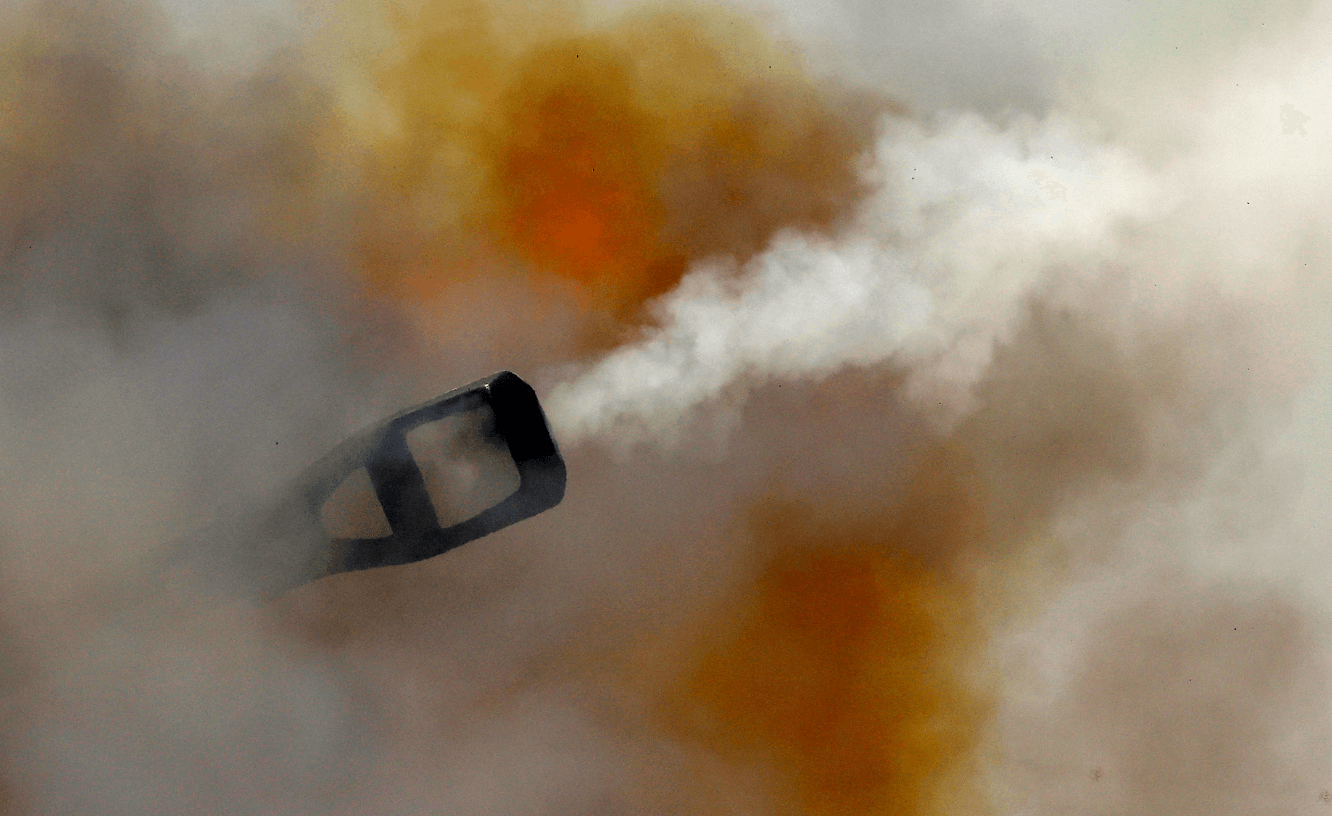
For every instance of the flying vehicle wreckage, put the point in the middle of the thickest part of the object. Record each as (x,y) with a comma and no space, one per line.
(423,481)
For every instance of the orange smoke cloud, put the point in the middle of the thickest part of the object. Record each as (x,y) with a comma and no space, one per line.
(574,168)
(849,670)
(611,156)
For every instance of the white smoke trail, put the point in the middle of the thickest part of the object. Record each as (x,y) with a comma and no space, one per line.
(969,221)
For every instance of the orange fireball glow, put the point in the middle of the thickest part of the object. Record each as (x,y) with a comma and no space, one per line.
(612,155)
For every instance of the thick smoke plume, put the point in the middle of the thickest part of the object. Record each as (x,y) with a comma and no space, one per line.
(944,397)
(971,221)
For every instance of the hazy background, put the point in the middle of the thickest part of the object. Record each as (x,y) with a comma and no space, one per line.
(943,389)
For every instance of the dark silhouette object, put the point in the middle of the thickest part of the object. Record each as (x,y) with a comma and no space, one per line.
(416,485)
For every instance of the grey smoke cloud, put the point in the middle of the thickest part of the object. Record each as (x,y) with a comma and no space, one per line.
(164,354)
(1094,257)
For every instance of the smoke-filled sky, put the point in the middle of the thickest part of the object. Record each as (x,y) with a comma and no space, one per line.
(944,391)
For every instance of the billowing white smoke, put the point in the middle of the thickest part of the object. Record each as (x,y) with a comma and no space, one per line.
(1176,209)
(969,221)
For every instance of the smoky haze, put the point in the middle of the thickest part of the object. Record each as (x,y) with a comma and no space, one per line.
(943,393)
